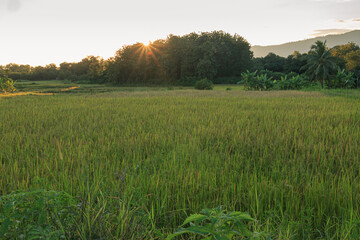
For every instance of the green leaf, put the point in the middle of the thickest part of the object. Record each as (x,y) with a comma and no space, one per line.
(242,216)
(198,230)
(177,234)
(4,226)
(194,218)
(208,238)
(220,237)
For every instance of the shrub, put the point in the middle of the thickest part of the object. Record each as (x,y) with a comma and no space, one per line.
(42,214)
(273,75)
(6,83)
(204,84)
(264,82)
(252,81)
(248,80)
(37,214)
(216,224)
(290,83)
(342,80)
(257,81)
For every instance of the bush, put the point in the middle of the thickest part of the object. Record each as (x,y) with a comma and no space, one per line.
(217,224)
(6,83)
(37,214)
(42,214)
(342,80)
(264,82)
(291,83)
(204,84)
(273,75)
(248,80)
(252,81)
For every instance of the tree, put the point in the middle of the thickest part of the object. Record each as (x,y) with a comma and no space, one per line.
(181,59)
(341,52)
(274,62)
(49,72)
(353,60)
(320,64)
(295,62)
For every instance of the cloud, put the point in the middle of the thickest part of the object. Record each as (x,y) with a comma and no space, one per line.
(324,32)
(348,21)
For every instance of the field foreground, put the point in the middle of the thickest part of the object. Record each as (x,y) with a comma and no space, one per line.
(139,162)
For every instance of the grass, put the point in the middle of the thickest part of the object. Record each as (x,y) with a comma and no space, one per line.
(140,161)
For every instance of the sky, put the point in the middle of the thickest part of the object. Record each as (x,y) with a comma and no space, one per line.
(39,32)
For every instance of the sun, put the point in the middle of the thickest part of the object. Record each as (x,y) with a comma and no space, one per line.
(146,43)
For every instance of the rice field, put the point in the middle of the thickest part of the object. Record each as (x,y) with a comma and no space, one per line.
(143,160)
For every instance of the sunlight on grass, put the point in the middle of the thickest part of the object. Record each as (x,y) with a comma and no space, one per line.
(24,94)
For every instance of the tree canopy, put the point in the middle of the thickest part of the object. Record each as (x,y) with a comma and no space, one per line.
(320,63)
(181,59)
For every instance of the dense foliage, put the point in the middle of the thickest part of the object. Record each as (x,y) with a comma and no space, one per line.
(342,79)
(6,84)
(320,64)
(181,60)
(37,214)
(216,224)
(261,81)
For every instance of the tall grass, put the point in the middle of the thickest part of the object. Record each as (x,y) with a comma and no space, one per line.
(290,159)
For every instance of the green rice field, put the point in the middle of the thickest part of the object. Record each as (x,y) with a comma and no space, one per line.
(138,161)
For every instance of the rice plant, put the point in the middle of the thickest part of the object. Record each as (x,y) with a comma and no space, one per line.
(138,163)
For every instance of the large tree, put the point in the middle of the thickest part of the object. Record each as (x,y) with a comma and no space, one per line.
(320,63)
(182,59)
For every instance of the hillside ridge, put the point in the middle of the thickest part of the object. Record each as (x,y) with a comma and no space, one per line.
(303,46)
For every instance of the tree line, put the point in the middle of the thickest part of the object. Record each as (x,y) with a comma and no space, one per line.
(329,66)
(217,55)
(182,60)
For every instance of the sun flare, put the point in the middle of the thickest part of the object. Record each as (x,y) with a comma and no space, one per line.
(146,43)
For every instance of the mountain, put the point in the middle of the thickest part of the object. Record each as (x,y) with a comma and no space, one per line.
(303,46)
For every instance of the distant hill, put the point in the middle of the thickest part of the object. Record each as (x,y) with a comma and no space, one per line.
(303,46)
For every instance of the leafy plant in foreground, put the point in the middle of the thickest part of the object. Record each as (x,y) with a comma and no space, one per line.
(216,224)
(38,214)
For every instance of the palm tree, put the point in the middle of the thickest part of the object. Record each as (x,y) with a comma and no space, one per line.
(320,63)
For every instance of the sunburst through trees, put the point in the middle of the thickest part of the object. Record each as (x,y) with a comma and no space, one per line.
(181,59)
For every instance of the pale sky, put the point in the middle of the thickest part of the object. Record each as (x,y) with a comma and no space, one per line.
(39,32)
